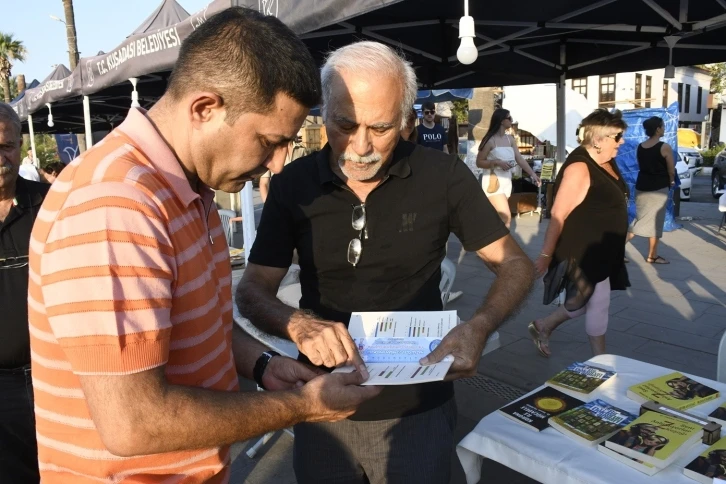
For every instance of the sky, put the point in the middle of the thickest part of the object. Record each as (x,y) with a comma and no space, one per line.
(100,25)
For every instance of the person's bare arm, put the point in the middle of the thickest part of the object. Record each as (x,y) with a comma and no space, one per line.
(264,187)
(482,162)
(513,283)
(523,163)
(323,342)
(667,152)
(141,413)
(572,191)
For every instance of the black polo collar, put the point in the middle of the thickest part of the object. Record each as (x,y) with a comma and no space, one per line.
(27,193)
(398,166)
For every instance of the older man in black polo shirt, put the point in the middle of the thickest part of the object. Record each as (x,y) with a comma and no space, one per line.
(20,201)
(370,216)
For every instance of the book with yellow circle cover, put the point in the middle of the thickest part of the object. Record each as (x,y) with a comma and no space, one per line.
(534,410)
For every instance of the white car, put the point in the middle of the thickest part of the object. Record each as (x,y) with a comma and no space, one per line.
(691,157)
(685,174)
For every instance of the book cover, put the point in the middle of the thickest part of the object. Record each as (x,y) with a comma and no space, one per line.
(592,422)
(534,410)
(655,438)
(580,378)
(709,465)
(636,464)
(719,415)
(674,390)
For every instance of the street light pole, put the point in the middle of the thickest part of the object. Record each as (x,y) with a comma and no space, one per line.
(73,56)
(71,33)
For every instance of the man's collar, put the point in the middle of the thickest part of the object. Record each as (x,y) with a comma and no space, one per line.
(26,195)
(398,166)
(146,137)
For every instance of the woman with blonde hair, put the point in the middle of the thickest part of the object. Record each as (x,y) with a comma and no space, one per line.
(498,155)
(584,244)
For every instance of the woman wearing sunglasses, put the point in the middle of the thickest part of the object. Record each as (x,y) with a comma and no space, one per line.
(584,245)
(498,154)
(656,177)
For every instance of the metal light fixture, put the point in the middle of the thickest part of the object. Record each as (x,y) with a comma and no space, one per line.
(50,116)
(467,52)
(670,70)
(134,93)
(57,19)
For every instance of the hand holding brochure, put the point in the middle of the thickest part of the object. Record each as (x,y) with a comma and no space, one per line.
(392,343)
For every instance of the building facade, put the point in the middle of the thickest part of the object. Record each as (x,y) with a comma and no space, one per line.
(644,89)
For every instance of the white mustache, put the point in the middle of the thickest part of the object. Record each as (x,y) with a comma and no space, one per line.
(374,158)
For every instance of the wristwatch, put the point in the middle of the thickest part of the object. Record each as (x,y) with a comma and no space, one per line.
(261,365)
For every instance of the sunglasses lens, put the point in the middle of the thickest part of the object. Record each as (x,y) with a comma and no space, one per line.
(359,217)
(354,251)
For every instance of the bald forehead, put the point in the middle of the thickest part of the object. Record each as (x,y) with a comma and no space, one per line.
(377,98)
(9,132)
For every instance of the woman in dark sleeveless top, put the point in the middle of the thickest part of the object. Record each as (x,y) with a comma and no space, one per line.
(655,179)
(584,245)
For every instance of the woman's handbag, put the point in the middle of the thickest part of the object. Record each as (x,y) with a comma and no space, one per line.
(493,182)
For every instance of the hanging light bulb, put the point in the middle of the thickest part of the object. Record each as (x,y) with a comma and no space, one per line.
(50,116)
(670,70)
(467,51)
(134,93)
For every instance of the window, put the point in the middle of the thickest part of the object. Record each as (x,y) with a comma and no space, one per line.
(648,90)
(607,89)
(699,100)
(665,94)
(688,98)
(638,90)
(580,85)
(680,97)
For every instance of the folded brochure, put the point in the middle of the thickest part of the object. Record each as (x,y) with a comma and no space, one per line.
(392,343)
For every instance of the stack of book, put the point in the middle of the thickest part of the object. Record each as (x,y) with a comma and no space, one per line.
(652,441)
(592,422)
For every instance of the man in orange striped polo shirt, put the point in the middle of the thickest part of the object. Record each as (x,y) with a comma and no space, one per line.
(134,354)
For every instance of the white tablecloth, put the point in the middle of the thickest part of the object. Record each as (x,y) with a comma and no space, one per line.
(551,457)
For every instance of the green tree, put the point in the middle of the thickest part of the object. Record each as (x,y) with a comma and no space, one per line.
(718,73)
(461,110)
(46,149)
(13,81)
(10,50)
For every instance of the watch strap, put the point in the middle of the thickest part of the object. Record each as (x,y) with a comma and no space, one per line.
(261,366)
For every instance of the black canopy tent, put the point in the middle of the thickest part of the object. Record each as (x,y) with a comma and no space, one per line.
(527,42)
(518,42)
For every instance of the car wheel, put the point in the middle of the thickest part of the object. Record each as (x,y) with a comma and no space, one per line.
(715,184)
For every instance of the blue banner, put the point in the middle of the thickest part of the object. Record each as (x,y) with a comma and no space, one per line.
(627,154)
(67,147)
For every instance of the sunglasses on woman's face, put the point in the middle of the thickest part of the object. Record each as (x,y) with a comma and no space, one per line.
(617,137)
(509,118)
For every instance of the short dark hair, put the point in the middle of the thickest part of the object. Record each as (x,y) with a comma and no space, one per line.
(428,105)
(247,59)
(650,125)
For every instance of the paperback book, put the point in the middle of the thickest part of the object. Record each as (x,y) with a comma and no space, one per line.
(709,465)
(579,380)
(534,410)
(592,422)
(719,415)
(656,438)
(674,390)
(636,464)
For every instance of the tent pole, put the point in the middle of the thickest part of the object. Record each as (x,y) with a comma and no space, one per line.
(31,132)
(87,121)
(249,231)
(561,109)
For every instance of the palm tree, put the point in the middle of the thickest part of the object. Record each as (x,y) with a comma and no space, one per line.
(71,32)
(10,49)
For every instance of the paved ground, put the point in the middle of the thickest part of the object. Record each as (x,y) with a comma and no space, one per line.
(674,315)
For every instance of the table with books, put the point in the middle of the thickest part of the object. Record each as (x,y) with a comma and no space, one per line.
(558,434)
